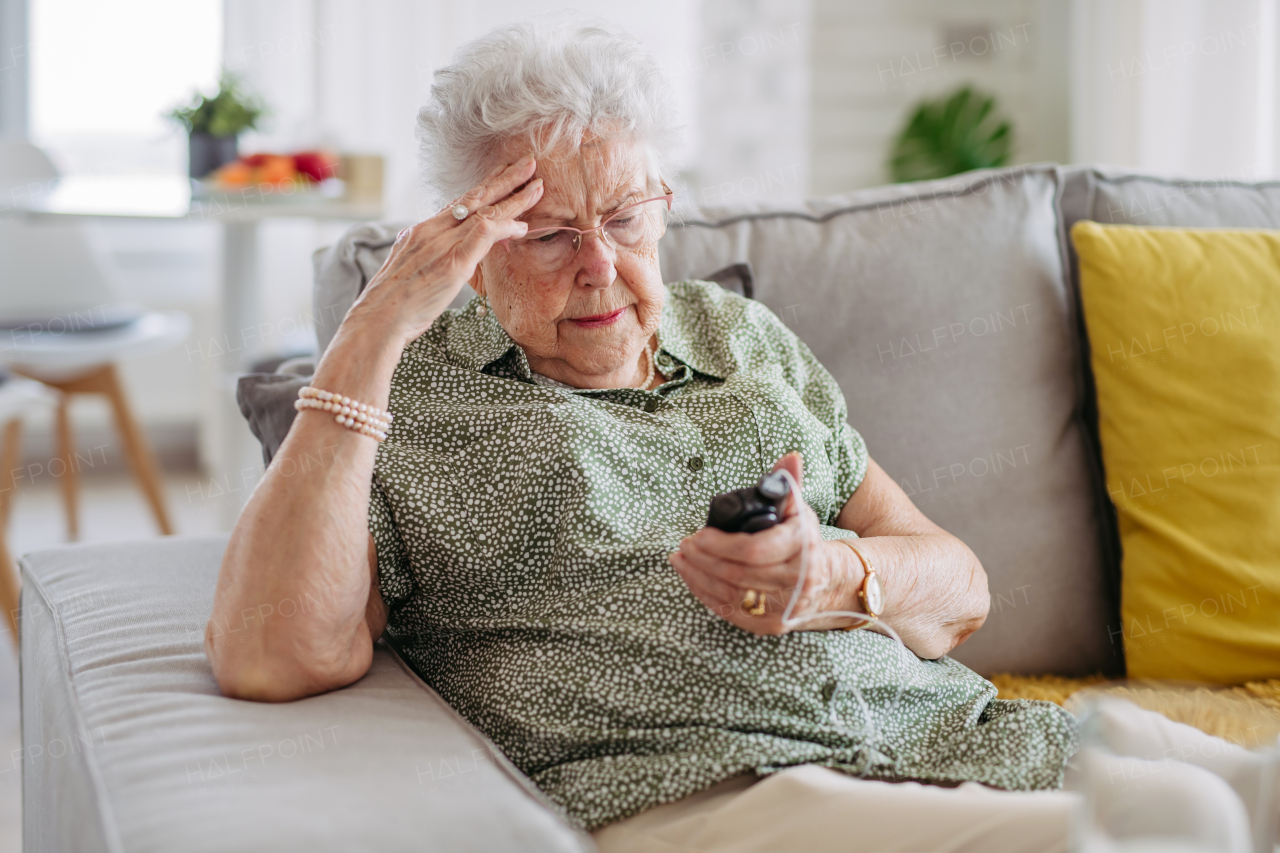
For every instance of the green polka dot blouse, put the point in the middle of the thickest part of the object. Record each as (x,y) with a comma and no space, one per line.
(522,534)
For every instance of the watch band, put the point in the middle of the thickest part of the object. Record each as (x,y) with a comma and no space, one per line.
(870,574)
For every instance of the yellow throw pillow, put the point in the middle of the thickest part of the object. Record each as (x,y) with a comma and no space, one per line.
(1184,326)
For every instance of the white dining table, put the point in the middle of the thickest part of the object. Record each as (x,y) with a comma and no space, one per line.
(175,198)
(171,198)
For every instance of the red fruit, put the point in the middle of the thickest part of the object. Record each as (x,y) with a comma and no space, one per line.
(316,165)
(256,161)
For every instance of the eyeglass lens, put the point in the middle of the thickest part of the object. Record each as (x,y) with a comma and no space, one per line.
(628,228)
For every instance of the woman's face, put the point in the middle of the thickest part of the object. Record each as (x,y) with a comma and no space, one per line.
(586,323)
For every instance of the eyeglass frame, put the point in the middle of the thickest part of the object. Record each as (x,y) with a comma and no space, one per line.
(579,233)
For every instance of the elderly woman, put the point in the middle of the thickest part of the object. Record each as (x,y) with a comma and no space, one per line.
(528,521)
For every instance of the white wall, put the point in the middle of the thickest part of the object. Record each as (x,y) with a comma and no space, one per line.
(1183,87)
(751,75)
(874,60)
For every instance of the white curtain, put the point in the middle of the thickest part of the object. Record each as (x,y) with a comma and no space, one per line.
(1180,87)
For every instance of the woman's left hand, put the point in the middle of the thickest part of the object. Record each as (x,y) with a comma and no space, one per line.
(722,568)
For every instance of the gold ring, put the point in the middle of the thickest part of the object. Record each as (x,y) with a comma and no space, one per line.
(753,603)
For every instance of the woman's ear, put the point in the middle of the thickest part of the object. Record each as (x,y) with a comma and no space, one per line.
(477,279)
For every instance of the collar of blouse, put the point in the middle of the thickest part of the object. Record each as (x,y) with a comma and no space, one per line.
(475,341)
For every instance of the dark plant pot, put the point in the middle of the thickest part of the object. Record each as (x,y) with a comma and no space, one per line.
(207,152)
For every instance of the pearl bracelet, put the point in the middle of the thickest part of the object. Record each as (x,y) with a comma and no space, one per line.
(360,417)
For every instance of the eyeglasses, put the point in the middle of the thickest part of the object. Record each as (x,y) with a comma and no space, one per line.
(552,249)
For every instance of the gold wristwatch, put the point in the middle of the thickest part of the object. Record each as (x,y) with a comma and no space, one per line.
(871,593)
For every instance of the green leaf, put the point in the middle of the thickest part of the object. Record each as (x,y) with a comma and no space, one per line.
(226,113)
(950,135)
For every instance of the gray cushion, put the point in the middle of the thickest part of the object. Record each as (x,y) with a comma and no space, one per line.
(942,310)
(130,747)
(266,401)
(343,269)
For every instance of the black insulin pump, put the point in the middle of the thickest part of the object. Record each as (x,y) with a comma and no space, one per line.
(753,509)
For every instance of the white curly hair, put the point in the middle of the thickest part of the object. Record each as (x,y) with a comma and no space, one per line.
(549,80)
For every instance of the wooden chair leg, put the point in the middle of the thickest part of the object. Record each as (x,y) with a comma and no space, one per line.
(10,458)
(10,586)
(141,458)
(70,480)
(105,380)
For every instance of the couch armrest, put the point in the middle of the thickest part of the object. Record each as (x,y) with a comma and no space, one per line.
(128,745)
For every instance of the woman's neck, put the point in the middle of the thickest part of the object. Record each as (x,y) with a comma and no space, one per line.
(632,377)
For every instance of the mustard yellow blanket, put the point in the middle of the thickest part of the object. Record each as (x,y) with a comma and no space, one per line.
(1248,715)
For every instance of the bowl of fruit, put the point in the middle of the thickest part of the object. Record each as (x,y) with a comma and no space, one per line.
(275,176)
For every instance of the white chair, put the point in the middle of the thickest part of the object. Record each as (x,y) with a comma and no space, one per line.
(62,322)
(18,397)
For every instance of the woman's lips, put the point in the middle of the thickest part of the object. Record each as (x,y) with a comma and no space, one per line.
(599,319)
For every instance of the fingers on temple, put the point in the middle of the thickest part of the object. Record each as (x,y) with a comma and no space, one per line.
(483,232)
(517,203)
(500,184)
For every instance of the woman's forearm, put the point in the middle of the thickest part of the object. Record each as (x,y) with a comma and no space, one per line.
(289,617)
(935,590)
(302,541)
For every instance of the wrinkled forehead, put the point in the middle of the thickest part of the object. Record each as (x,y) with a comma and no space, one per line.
(591,176)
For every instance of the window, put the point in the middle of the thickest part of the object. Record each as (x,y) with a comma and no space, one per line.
(103,75)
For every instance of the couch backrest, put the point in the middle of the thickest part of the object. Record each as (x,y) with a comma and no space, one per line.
(948,311)
(943,311)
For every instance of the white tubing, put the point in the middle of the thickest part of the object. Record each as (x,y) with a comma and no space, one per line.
(790,622)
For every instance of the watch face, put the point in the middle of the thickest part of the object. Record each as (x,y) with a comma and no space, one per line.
(873,594)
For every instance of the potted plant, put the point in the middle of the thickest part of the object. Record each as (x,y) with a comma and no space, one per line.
(213,124)
(950,135)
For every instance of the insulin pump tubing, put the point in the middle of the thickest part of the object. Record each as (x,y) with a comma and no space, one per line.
(790,621)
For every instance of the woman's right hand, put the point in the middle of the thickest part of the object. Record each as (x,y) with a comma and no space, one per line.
(430,261)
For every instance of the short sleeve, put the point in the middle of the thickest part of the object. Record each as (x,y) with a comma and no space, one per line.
(395,576)
(846,449)
(849,456)
(822,396)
